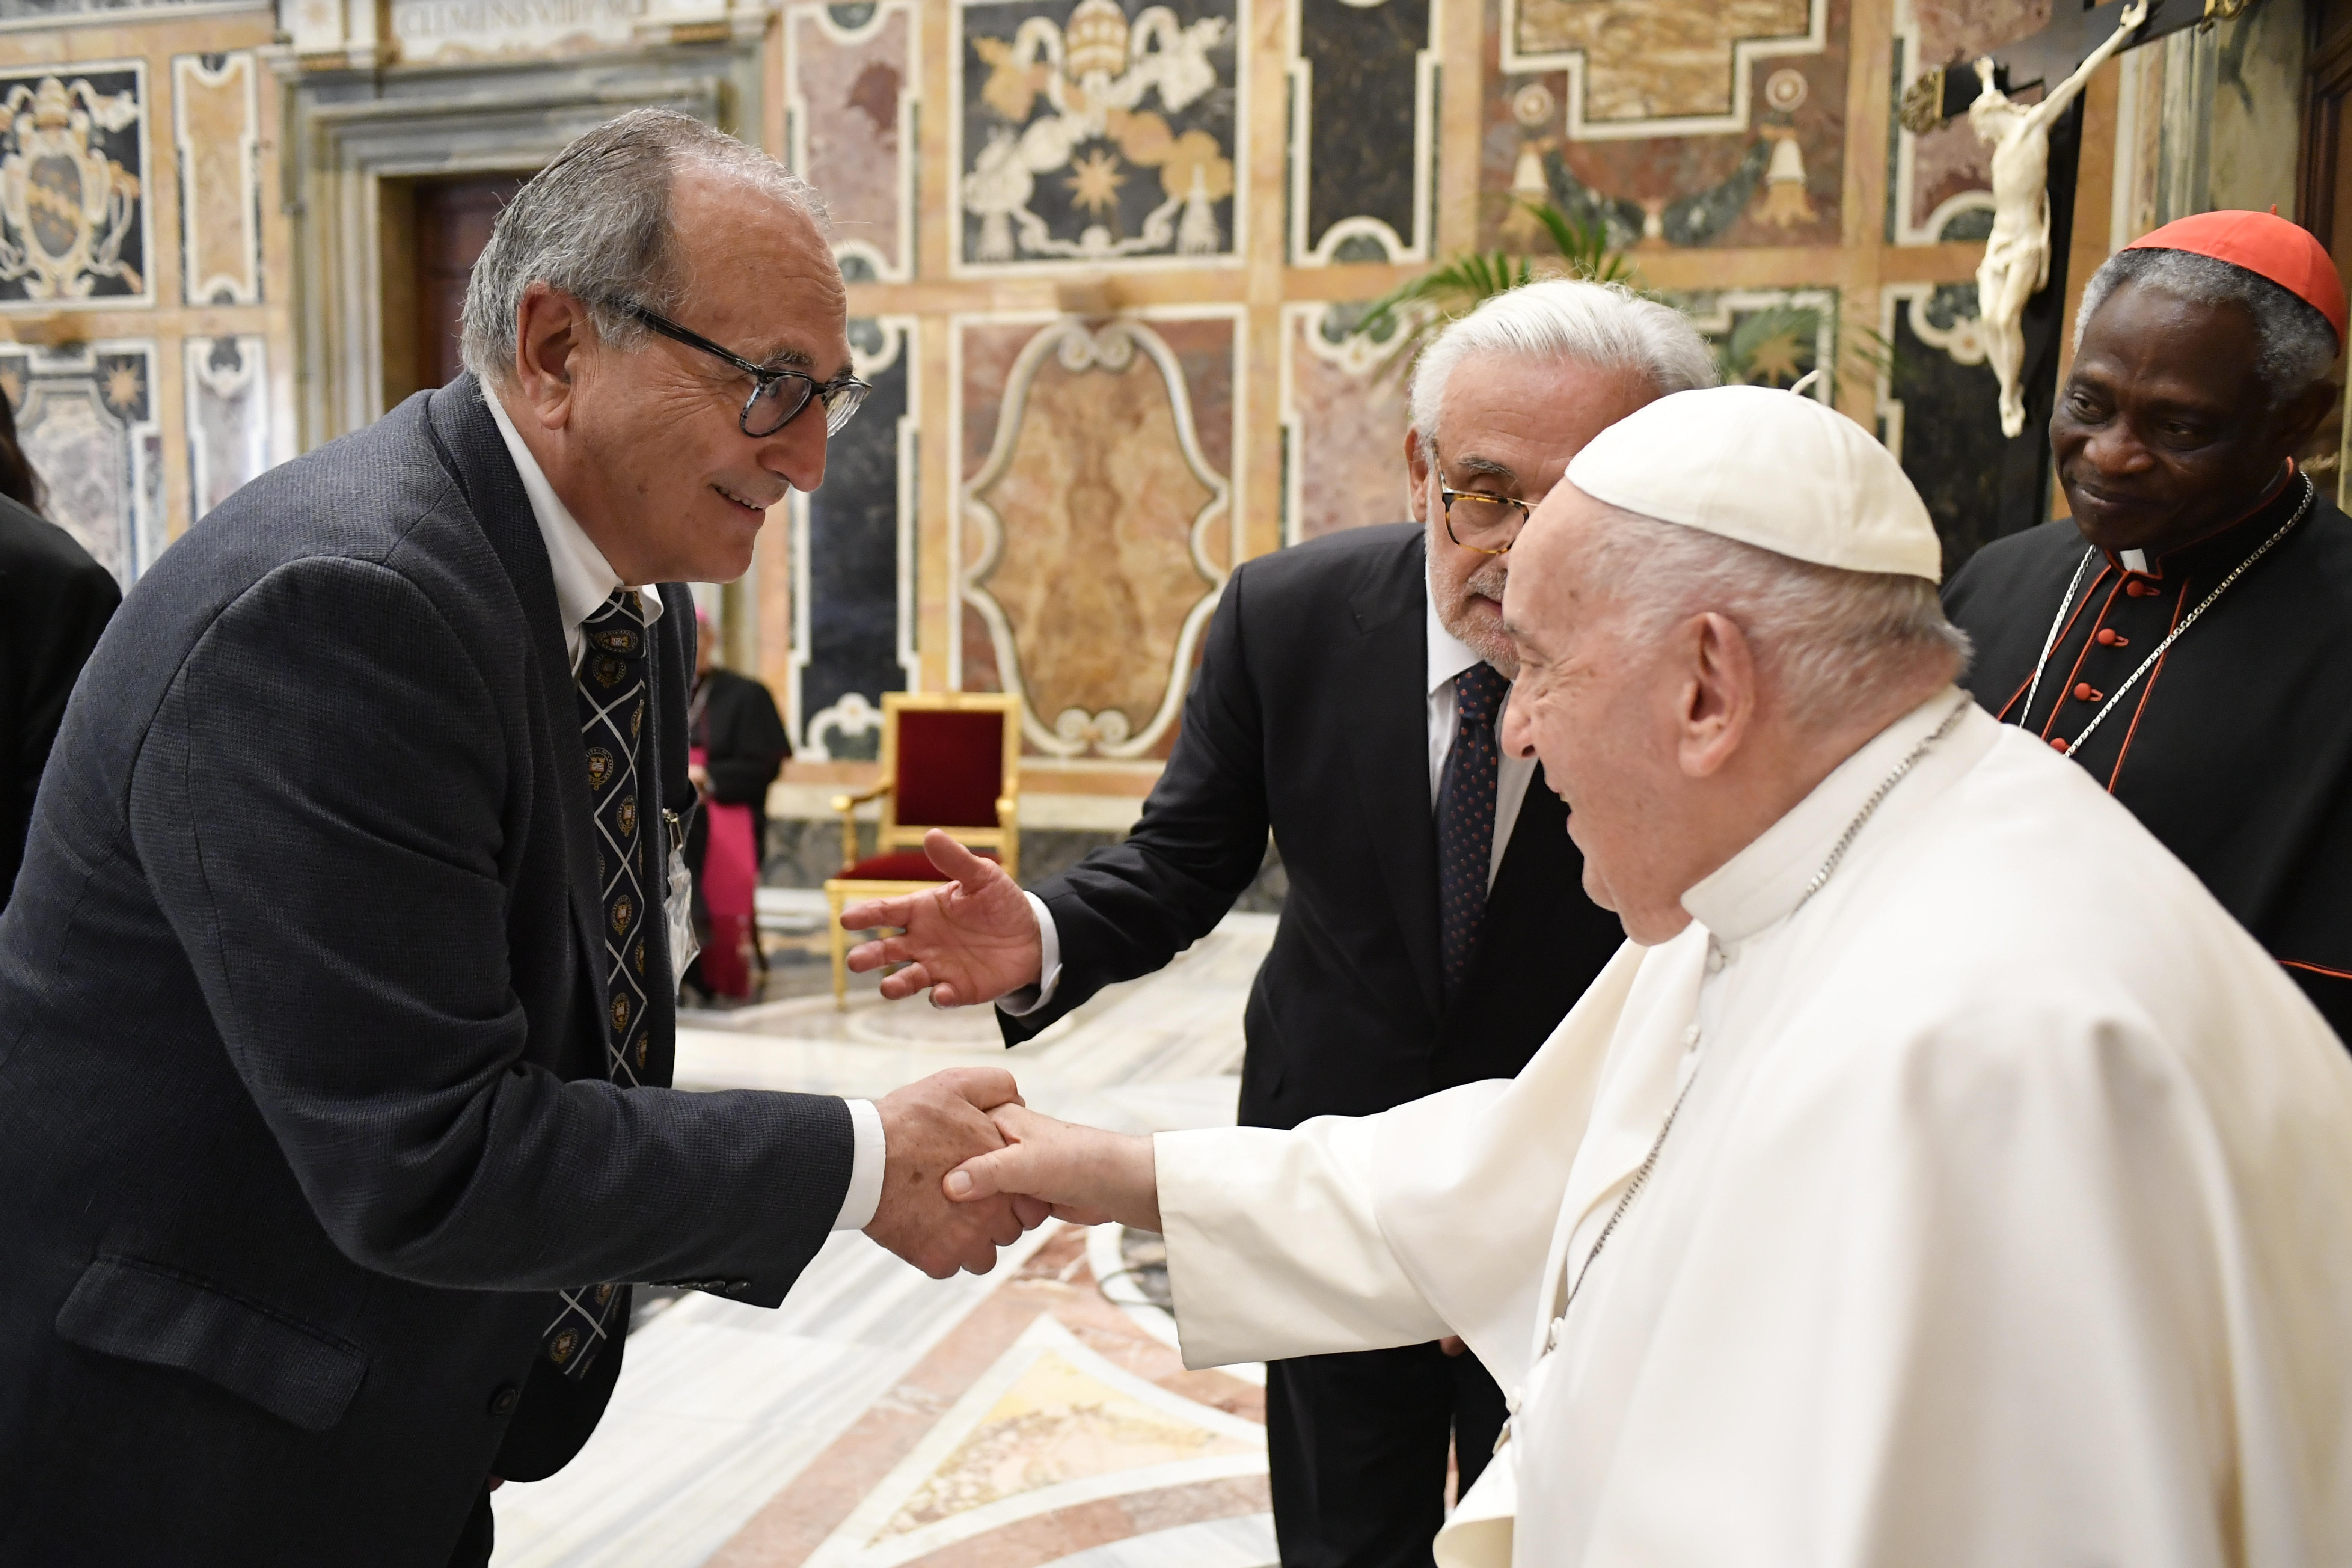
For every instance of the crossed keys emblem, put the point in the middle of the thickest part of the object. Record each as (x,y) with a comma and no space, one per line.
(66,205)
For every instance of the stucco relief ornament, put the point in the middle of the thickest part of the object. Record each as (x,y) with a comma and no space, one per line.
(67,205)
(1093,76)
(2016,262)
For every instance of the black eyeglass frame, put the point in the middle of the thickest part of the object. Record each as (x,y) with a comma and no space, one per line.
(1445,494)
(762,377)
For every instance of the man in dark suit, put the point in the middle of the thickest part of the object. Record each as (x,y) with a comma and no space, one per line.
(1435,930)
(53,602)
(336,999)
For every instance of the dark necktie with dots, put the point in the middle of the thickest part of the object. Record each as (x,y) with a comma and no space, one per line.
(612,689)
(1465,819)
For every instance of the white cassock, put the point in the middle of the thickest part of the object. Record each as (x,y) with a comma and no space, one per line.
(2006,1220)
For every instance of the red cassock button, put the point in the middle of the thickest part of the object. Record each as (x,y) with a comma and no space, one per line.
(2059,744)
(2109,637)
(2083,692)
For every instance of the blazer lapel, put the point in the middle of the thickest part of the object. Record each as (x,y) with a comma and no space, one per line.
(1388,738)
(486,472)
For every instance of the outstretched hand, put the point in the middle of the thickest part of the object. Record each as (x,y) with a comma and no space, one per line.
(970,940)
(1084,1174)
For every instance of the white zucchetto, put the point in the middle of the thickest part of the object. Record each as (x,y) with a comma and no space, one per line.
(1781,472)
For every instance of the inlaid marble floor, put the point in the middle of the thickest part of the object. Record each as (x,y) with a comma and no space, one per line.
(879,1418)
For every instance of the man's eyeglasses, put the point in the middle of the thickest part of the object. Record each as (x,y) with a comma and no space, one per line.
(1488,524)
(777,395)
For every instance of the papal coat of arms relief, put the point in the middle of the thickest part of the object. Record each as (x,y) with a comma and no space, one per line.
(1092,136)
(71,194)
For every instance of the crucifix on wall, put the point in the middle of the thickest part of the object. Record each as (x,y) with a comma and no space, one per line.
(2021,283)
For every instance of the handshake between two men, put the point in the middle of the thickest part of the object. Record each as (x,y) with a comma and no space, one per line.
(969,1166)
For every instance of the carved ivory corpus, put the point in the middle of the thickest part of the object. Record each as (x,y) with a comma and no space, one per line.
(2017,256)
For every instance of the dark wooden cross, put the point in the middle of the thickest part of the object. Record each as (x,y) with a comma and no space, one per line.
(2045,59)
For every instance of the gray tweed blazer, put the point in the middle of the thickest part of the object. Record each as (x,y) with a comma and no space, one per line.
(302,1108)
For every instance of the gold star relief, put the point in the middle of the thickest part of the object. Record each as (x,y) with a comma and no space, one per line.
(1775,361)
(124,386)
(1094,181)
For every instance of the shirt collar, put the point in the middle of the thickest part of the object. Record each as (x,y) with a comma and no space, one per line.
(583,578)
(1764,882)
(1449,655)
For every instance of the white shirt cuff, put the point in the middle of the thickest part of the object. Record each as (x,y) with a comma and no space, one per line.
(865,1195)
(1029,998)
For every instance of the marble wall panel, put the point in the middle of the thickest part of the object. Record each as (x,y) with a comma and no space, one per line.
(227,382)
(1097,520)
(73,186)
(1940,188)
(1769,337)
(85,418)
(32,13)
(216,132)
(850,89)
(1937,411)
(853,560)
(1103,132)
(1363,107)
(1670,123)
(1344,417)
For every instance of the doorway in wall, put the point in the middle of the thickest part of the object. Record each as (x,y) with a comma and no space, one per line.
(433,230)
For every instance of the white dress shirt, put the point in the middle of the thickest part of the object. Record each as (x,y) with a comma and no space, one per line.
(583,581)
(1449,655)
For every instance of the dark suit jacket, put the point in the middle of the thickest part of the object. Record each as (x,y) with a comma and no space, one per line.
(54,601)
(1309,715)
(303,1113)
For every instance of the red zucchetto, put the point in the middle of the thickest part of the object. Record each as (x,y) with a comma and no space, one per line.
(2265,245)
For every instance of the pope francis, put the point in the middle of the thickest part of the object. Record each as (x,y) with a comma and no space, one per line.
(1873,1207)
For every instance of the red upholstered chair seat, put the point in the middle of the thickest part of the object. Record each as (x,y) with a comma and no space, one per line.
(901,866)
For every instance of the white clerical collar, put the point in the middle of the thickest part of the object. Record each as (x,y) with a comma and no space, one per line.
(583,578)
(1449,655)
(1764,881)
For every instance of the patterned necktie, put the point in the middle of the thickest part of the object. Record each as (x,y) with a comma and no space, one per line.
(612,689)
(1465,819)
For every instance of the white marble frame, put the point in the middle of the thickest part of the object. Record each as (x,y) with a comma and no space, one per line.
(853,712)
(350,135)
(1426,65)
(142,536)
(1962,341)
(886,269)
(1236,256)
(1230,489)
(252,349)
(1745,54)
(1358,357)
(1903,190)
(245,290)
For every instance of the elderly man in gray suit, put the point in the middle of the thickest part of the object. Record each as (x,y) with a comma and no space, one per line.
(337,993)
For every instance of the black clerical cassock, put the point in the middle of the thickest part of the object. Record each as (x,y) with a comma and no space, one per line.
(2235,746)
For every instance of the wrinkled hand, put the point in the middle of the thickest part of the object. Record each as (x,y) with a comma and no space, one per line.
(968,942)
(927,1127)
(1085,1175)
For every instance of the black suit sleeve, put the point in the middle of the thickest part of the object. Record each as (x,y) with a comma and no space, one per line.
(323,806)
(747,744)
(58,618)
(1127,909)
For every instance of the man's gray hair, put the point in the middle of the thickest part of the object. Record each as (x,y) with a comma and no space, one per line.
(1834,642)
(1604,325)
(2297,344)
(595,224)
